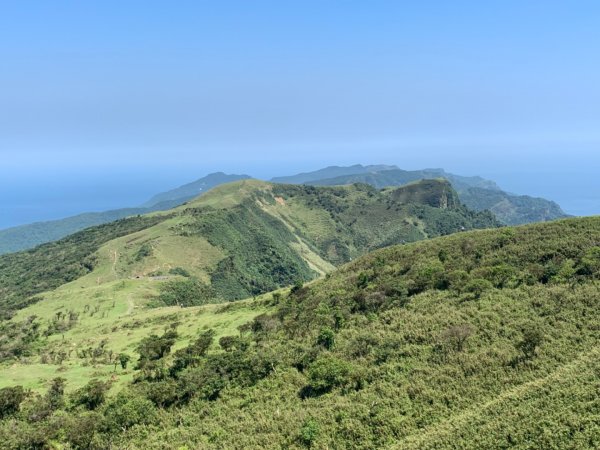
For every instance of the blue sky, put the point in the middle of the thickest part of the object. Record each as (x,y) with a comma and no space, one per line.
(104,103)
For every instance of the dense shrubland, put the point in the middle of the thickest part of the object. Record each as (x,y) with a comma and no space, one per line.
(479,340)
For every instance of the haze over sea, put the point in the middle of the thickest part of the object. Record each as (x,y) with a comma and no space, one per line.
(33,193)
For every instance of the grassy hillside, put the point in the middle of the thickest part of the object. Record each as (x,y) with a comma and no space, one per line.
(28,236)
(240,239)
(476,193)
(25,274)
(486,339)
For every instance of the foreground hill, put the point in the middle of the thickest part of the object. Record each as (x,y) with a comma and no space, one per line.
(485,339)
(475,192)
(23,237)
(242,239)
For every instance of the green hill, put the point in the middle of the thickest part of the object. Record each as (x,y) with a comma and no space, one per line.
(484,339)
(24,237)
(239,239)
(194,189)
(475,192)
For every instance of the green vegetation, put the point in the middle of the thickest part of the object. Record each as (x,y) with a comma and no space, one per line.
(24,237)
(239,240)
(25,274)
(187,292)
(486,339)
(259,256)
(476,193)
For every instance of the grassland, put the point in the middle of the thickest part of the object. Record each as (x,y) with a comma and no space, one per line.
(112,315)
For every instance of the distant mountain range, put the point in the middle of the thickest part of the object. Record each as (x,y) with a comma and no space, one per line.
(476,193)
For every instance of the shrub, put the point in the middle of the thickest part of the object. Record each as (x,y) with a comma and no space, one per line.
(309,432)
(477,287)
(188,292)
(326,338)
(92,394)
(328,373)
(144,251)
(179,271)
(10,400)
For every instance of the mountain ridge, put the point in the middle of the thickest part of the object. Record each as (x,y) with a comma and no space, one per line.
(476,192)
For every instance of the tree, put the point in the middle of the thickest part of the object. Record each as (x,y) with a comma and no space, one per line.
(228,343)
(186,292)
(532,339)
(326,338)
(92,394)
(456,336)
(309,432)
(123,359)
(127,410)
(191,355)
(10,400)
(297,286)
(327,373)
(477,287)
(154,347)
(56,392)
(590,263)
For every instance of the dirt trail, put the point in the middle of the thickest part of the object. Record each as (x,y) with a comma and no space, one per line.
(130,305)
(445,427)
(115,258)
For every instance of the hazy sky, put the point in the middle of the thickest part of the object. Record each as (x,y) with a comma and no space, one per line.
(103,103)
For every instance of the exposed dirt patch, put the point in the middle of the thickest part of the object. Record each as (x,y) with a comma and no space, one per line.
(280,201)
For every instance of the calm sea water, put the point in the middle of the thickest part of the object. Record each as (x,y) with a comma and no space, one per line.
(30,197)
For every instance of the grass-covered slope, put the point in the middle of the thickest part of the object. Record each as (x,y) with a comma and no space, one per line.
(28,236)
(485,339)
(25,274)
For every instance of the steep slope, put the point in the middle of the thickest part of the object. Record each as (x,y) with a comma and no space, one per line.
(511,209)
(476,193)
(486,339)
(23,237)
